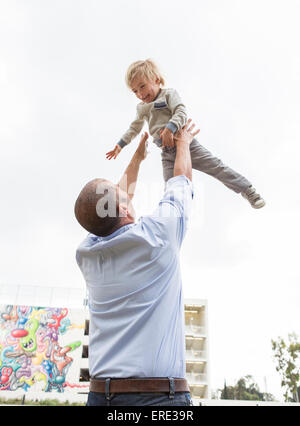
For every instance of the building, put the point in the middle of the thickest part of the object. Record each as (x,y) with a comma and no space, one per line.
(46,348)
(197,355)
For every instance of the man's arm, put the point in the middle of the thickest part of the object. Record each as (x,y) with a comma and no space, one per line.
(128,181)
(173,213)
(183,139)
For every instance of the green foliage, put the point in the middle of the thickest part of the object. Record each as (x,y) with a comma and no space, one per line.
(47,402)
(287,358)
(245,389)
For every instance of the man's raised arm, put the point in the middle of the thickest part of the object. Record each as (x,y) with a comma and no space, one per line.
(183,139)
(128,181)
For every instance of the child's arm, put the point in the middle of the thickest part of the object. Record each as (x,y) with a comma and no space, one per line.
(134,129)
(113,153)
(178,109)
(178,119)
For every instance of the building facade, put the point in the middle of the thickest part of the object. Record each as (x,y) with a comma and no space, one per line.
(45,349)
(197,350)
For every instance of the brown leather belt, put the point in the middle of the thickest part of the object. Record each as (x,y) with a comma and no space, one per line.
(151,385)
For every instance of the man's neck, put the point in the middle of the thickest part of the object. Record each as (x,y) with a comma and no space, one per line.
(123,222)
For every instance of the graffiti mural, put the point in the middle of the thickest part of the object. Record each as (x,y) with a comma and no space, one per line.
(35,352)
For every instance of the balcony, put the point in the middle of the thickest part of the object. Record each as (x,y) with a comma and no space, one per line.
(196,378)
(194,330)
(195,355)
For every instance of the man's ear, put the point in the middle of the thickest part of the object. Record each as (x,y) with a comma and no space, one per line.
(123,210)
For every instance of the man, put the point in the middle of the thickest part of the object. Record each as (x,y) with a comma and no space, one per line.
(132,271)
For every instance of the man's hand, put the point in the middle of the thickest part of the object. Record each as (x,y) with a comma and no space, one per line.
(141,151)
(185,135)
(114,153)
(167,138)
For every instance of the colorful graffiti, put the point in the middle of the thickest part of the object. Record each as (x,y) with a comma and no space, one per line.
(32,355)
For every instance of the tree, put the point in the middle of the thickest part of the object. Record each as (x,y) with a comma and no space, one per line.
(225,393)
(245,389)
(288,365)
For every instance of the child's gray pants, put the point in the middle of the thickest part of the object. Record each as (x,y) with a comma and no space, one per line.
(206,162)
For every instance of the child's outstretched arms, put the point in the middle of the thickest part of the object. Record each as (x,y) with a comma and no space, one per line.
(134,129)
(141,150)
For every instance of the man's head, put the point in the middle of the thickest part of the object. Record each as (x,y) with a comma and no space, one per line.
(102,207)
(145,80)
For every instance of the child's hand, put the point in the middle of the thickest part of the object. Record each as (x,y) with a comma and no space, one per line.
(167,138)
(114,153)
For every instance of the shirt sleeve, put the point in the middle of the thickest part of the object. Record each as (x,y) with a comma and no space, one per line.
(134,129)
(174,209)
(178,110)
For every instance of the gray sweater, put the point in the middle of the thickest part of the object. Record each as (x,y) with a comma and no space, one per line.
(167,110)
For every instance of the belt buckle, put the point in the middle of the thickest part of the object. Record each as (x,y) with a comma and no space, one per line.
(172,388)
(107,385)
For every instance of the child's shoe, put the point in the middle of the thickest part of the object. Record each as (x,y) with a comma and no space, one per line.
(254,198)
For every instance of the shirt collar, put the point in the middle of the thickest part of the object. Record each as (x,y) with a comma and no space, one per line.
(119,231)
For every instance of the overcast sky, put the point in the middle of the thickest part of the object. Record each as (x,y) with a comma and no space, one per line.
(64,104)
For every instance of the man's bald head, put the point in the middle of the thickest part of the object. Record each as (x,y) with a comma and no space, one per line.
(97,207)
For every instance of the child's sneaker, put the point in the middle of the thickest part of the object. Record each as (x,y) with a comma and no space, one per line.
(254,198)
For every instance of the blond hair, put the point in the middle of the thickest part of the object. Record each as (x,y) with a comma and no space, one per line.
(147,69)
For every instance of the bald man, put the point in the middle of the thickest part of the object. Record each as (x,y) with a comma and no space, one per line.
(132,272)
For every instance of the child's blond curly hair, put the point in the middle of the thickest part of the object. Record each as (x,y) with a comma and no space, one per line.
(147,69)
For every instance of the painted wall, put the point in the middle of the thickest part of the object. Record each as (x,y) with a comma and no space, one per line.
(40,348)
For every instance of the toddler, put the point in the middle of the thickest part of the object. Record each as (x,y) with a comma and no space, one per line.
(165,113)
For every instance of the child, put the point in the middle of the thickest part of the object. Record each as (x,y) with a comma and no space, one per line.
(165,114)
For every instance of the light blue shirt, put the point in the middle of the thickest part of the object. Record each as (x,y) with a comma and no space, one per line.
(135,292)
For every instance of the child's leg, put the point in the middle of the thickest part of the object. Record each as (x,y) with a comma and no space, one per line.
(206,162)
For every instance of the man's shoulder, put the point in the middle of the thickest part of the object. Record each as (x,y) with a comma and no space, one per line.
(88,242)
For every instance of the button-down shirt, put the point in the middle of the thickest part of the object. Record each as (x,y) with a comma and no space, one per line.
(135,292)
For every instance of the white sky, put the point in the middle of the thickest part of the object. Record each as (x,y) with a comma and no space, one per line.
(64,104)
